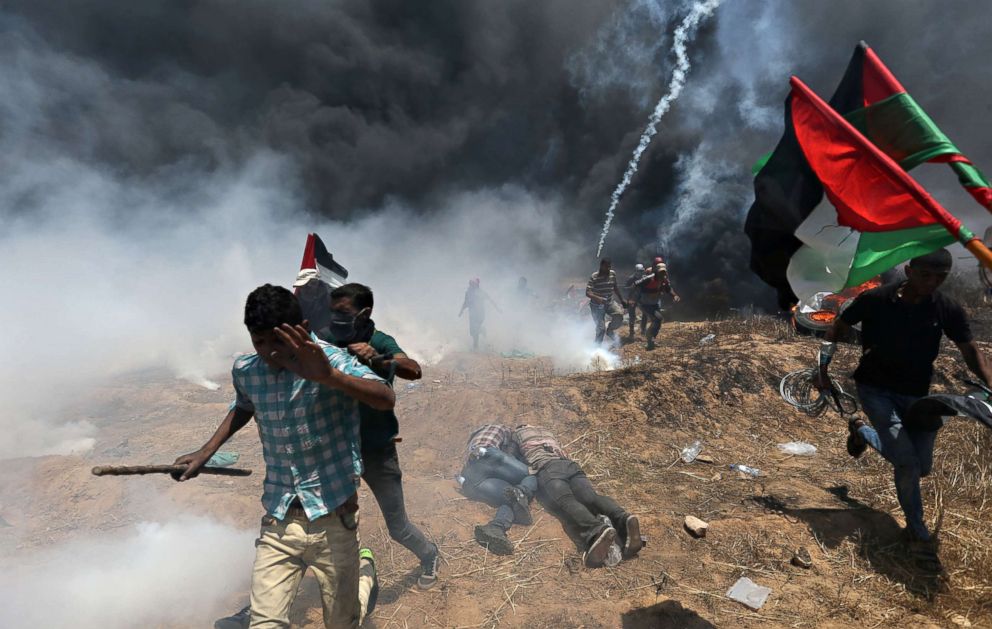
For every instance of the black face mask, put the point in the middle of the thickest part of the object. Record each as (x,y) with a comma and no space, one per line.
(346,328)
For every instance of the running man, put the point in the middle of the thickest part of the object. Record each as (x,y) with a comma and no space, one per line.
(304,396)
(475,302)
(600,289)
(901,328)
(650,288)
(631,301)
(352,328)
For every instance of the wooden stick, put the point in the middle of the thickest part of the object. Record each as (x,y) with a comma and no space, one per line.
(131,470)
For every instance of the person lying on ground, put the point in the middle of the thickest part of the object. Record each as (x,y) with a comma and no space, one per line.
(493,476)
(901,328)
(600,289)
(568,488)
(304,396)
(650,289)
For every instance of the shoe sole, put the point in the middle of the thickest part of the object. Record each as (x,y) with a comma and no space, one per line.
(374,592)
(600,548)
(496,545)
(633,544)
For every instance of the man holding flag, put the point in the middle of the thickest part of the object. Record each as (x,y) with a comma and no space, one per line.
(902,324)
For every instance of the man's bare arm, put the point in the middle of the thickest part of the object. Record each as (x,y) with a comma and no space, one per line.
(234,421)
(406,367)
(840,329)
(975,361)
(307,360)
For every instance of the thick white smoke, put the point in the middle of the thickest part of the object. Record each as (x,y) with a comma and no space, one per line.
(179,571)
(683,35)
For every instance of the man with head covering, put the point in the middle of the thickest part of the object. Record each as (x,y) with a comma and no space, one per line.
(901,328)
(650,289)
(632,297)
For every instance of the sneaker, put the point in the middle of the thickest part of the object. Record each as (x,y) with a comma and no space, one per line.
(632,542)
(366,554)
(651,344)
(428,571)
(598,550)
(517,500)
(240,620)
(494,538)
(856,444)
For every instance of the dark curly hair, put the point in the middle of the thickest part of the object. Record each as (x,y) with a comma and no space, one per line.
(360,294)
(270,306)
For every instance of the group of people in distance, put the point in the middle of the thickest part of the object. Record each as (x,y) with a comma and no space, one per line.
(645,291)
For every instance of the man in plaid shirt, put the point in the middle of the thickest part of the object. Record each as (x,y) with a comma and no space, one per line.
(304,395)
(492,476)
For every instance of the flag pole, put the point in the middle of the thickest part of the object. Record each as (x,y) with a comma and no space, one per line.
(980,251)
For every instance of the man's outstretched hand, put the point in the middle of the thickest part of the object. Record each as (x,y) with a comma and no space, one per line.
(306,358)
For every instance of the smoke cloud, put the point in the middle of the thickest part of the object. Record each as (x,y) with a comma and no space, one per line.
(172,572)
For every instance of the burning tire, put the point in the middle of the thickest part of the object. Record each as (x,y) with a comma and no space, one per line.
(815,323)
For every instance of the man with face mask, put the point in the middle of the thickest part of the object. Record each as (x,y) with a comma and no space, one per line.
(901,328)
(351,327)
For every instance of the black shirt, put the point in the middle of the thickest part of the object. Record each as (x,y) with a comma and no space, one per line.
(900,340)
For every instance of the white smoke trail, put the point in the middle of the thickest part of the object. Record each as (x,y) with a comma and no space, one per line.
(683,35)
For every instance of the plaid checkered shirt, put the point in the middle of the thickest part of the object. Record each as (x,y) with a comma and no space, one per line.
(489,436)
(310,433)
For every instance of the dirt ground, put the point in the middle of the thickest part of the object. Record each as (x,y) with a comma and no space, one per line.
(626,428)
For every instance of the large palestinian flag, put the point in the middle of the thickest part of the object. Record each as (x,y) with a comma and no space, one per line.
(802,247)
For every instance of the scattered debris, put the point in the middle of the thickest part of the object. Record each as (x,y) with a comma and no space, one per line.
(749,593)
(412,386)
(706,340)
(690,453)
(704,458)
(746,470)
(695,526)
(717,476)
(802,559)
(798,448)
(960,620)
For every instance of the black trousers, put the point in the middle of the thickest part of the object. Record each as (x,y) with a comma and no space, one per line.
(570,492)
(383,476)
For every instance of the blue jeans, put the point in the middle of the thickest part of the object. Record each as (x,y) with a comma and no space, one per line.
(909,452)
(487,479)
(600,312)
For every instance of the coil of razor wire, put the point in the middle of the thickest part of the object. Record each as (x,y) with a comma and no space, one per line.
(799,390)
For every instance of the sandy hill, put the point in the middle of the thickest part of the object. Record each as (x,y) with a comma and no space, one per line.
(626,427)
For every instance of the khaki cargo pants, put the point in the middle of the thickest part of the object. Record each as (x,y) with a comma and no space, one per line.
(329,547)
